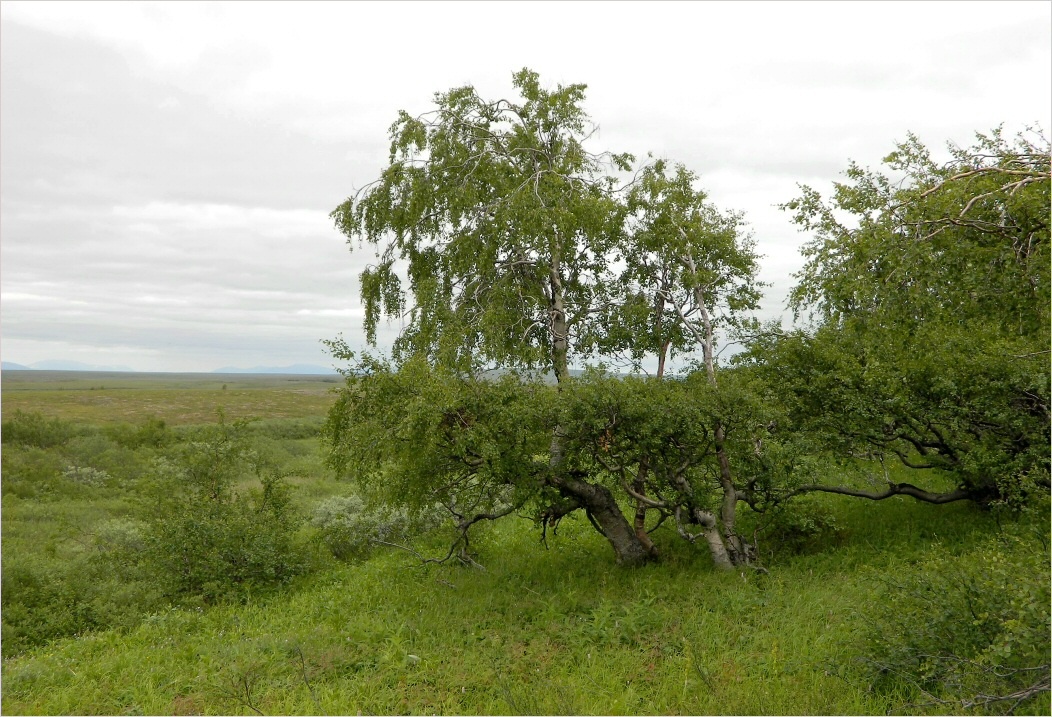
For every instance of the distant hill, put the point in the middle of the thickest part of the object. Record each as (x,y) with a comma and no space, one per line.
(298,368)
(9,366)
(63,366)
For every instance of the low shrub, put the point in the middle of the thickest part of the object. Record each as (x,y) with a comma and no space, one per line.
(802,526)
(349,530)
(45,598)
(206,539)
(287,428)
(968,632)
(36,430)
(31,472)
(86,475)
(121,540)
(153,433)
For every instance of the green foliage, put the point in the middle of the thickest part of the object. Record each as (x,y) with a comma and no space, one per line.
(81,527)
(32,472)
(960,404)
(522,252)
(421,435)
(551,632)
(350,529)
(121,539)
(208,538)
(540,630)
(286,429)
(501,213)
(36,430)
(152,432)
(690,269)
(964,239)
(934,315)
(614,425)
(799,527)
(513,229)
(76,457)
(968,631)
(86,475)
(46,597)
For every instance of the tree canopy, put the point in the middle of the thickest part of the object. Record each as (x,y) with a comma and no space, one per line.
(929,287)
(504,240)
(523,249)
(505,223)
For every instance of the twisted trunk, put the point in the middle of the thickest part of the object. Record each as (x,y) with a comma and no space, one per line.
(598,502)
(731,550)
(606,516)
(640,524)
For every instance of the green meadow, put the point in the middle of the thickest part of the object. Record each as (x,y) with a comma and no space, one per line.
(93,625)
(178,399)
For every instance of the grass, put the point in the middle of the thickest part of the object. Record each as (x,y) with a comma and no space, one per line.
(177,399)
(554,632)
(539,631)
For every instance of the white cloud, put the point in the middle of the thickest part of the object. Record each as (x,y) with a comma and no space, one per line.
(171,166)
(352,312)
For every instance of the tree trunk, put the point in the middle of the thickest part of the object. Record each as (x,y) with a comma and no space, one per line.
(728,511)
(640,525)
(639,484)
(719,551)
(559,329)
(600,504)
(729,505)
(606,515)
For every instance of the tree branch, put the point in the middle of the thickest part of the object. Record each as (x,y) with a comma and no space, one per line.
(893,490)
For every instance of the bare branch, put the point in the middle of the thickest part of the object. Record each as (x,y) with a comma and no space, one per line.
(893,490)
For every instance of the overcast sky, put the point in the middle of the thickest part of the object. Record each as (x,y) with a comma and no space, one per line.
(167,170)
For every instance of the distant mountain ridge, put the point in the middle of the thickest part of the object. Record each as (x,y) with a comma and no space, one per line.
(296,368)
(62,366)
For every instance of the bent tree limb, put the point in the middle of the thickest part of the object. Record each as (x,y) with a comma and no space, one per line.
(462,540)
(603,509)
(893,490)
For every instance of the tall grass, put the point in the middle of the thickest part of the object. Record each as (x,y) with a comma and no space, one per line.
(539,631)
(542,630)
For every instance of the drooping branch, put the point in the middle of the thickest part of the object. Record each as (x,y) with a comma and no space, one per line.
(463,526)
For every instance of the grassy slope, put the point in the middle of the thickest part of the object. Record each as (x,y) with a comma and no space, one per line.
(556,631)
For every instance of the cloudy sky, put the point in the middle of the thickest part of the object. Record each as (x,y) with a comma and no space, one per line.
(167,170)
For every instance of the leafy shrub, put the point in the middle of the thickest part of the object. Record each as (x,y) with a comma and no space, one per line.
(99,449)
(801,526)
(45,599)
(206,539)
(87,447)
(969,632)
(36,429)
(349,529)
(288,428)
(153,433)
(86,475)
(30,472)
(122,540)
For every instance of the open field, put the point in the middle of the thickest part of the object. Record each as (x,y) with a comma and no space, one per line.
(553,630)
(176,398)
